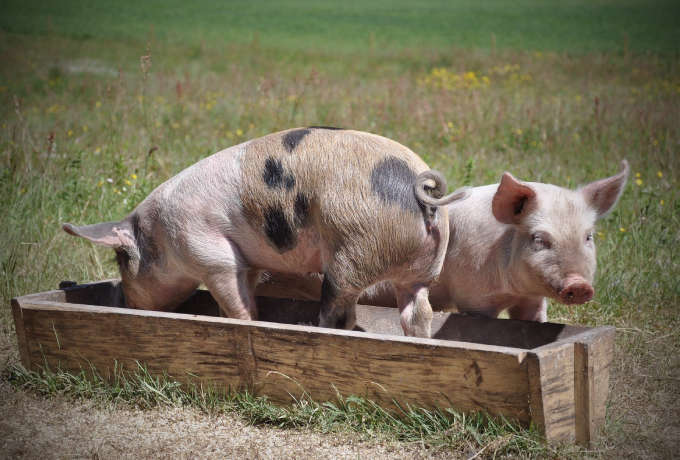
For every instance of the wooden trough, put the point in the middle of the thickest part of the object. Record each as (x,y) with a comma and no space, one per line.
(553,375)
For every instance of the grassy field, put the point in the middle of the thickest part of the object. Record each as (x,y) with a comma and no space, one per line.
(93,118)
(566,26)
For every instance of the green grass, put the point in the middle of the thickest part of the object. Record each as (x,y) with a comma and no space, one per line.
(440,428)
(575,25)
(83,142)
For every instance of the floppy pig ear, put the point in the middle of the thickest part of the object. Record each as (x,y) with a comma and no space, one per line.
(509,199)
(112,234)
(603,194)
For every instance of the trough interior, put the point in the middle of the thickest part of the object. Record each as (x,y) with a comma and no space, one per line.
(379,320)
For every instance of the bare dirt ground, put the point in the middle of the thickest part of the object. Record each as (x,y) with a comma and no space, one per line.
(34,428)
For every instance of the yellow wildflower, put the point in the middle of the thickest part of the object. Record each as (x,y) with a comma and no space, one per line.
(134,176)
(638,182)
(623,230)
(659,174)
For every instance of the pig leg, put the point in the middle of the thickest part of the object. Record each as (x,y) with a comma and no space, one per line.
(338,304)
(228,278)
(232,291)
(534,310)
(414,310)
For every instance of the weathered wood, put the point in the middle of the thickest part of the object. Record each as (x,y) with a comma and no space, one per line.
(519,334)
(17,313)
(283,358)
(289,286)
(593,354)
(551,385)
(553,375)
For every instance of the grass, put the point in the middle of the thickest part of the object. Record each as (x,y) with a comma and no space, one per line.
(441,428)
(574,25)
(86,133)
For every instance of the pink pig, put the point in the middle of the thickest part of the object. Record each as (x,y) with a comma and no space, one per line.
(515,244)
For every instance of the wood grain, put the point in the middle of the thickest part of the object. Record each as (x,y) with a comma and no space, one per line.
(593,354)
(550,374)
(281,360)
(17,313)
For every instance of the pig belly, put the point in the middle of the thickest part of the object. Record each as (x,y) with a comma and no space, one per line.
(305,258)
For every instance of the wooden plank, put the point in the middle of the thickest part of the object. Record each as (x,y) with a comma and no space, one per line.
(383,320)
(445,326)
(282,359)
(593,354)
(288,286)
(102,293)
(550,370)
(21,333)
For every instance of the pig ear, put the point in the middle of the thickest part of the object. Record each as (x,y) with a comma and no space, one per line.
(111,234)
(509,199)
(603,194)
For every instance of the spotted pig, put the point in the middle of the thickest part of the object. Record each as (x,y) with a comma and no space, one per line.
(358,208)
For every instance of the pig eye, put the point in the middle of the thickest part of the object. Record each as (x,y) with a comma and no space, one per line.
(589,238)
(537,240)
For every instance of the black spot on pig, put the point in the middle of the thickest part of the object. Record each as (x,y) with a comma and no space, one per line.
(392,180)
(292,138)
(278,229)
(274,176)
(301,209)
(326,127)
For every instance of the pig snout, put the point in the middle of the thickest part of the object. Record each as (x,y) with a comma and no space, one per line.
(576,290)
